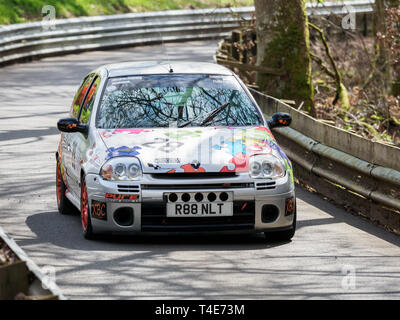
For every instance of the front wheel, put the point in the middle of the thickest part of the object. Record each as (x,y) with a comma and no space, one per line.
(85,212)
(285,235)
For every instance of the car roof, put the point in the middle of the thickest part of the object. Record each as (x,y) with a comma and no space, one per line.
(163,67)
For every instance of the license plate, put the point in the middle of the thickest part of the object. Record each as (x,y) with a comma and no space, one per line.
(204,209)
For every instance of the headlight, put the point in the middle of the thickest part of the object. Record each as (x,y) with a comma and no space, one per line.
(266,166)
(121,169)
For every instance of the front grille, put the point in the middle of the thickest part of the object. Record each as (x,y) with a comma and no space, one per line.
(194,175)
(266,185)
(154,218)
(128,188)
(197,186)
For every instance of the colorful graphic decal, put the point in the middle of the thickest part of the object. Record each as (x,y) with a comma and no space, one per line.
(130,131)
(288,163)
(62,167)
(217,149)
(273,145)
(244,145)
(232,147)
(190,168)
(122,152)
(164,145)
(240,162)
(95,156)
(182,134)
(109,133)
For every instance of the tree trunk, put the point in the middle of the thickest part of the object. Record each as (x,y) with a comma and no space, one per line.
(383,53)
(283,43)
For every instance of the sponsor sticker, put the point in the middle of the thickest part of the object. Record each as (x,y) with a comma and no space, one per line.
(120,197)
(99,210)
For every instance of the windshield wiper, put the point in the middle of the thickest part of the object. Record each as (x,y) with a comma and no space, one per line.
(212,115)
(208,118)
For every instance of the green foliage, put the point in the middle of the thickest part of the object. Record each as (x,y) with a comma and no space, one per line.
(15,11)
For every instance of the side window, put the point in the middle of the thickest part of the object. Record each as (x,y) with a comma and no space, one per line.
(89,101)
(80,94)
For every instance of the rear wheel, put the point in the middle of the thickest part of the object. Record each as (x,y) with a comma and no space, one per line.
(64,205)
(85,212)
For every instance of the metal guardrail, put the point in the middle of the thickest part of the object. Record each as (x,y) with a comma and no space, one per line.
(28,40)
(25,275)
(356,172)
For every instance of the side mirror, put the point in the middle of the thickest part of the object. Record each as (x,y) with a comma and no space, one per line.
(71,125)
(280,119)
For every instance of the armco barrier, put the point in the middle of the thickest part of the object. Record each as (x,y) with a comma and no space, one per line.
(28,40)
(24,276)
(355,172)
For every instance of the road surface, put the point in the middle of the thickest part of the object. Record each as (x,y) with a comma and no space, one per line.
(333,255)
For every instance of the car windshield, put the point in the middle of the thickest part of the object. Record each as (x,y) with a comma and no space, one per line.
(153,101)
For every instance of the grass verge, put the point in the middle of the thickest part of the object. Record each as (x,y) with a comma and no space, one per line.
(16,11)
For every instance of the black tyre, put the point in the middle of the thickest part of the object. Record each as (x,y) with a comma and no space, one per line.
(64,205)
(284,235)
(85,212)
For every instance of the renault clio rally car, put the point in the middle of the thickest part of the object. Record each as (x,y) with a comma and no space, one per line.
(153,147)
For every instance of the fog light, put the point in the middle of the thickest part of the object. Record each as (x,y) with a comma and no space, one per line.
(269,213)
(124,216)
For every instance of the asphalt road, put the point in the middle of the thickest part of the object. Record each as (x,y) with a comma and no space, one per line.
(333,255)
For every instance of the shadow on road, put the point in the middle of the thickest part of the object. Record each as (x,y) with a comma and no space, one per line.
(65,231)
(23,134)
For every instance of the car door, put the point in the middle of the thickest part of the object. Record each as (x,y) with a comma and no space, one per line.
(68,138)
(80,143)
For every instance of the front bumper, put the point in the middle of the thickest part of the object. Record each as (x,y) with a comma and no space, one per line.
(259,205)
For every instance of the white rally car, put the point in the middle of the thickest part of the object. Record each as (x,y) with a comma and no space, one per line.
(154,147)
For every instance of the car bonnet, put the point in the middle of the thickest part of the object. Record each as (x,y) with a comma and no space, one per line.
(178,150)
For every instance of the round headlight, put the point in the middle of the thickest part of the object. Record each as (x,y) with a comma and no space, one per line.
(120,169)
(133,170)
(267,168)
(255,168)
